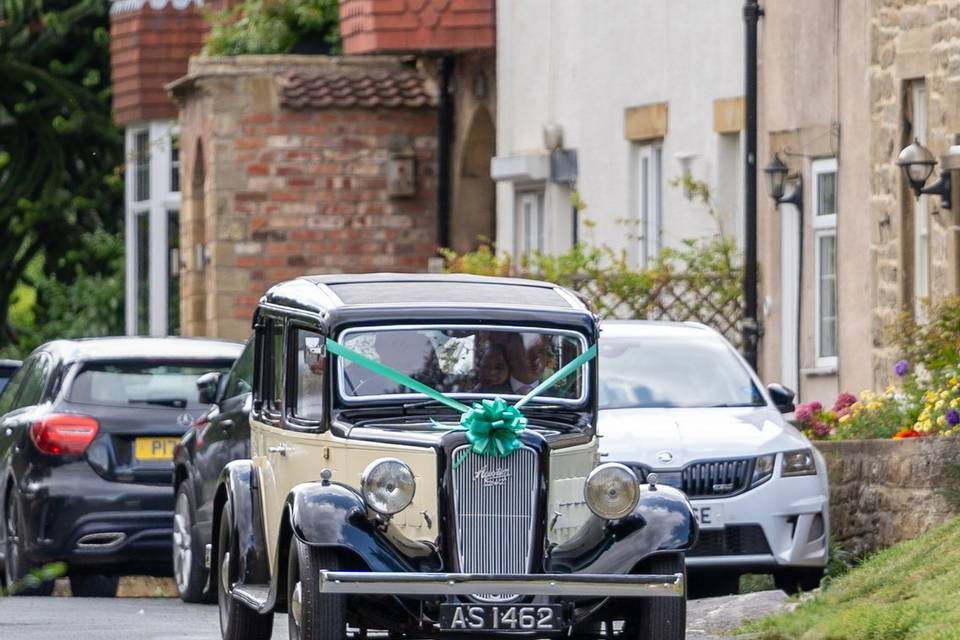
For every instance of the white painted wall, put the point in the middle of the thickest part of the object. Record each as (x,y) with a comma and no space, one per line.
(579,63)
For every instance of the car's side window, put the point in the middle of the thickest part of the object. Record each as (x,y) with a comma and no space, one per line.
(240,380)
(307,369)
(12,390)
(33,384)
(273,358)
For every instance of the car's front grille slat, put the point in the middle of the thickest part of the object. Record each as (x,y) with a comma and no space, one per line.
(732,540)
(495,501)
(715,478)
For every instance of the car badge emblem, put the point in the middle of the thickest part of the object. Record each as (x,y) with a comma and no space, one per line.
(726,486)
(185,420)
(665,457)
(492,478)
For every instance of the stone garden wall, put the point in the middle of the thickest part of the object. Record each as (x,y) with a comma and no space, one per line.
(886,491)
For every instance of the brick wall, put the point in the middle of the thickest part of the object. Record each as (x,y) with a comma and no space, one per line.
(275,187)
(369,26)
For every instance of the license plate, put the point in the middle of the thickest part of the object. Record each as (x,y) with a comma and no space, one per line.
(502,617)
(709,514)
(155,448)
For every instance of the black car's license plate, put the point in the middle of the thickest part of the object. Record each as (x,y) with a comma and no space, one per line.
(500,617)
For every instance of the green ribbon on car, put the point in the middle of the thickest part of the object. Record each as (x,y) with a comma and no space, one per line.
(493,427)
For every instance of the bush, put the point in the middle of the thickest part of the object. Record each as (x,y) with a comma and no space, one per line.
(930,350)
(275,26)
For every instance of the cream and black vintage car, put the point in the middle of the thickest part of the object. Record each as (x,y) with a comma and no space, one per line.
(424,462)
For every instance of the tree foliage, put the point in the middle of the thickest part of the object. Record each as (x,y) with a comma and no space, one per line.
(60,152)
(276,26)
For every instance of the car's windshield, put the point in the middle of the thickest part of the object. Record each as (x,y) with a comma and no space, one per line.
(659,371)
(462,361)
(143,384)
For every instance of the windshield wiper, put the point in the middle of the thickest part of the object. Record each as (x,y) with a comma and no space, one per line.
(179,403)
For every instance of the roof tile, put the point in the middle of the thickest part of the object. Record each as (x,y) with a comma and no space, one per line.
(340,90)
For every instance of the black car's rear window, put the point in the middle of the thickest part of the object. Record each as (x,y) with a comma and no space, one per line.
(142,383)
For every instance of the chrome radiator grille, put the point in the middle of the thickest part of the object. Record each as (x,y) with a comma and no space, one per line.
(495,503)
(716,478)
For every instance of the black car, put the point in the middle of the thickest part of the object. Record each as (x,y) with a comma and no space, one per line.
(87,431)
(7,369)
(220,435)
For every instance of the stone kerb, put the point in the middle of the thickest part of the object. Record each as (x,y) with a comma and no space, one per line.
(887,491)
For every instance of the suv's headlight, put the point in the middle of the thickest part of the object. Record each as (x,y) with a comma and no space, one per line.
(763,469)
(612,491)
(798,463)
(388,485)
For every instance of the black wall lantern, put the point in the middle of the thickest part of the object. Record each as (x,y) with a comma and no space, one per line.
(918,163)
(778,179)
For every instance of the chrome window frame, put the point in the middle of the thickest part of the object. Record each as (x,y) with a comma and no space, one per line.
(355,400)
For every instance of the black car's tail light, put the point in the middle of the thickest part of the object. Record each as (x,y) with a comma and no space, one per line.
(61,434)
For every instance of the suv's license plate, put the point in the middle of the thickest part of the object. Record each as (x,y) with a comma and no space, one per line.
(502,617)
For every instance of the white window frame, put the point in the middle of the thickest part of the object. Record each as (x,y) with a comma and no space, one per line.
(921,220)
(530,232)
(647,196)
(823,226)
(161,200)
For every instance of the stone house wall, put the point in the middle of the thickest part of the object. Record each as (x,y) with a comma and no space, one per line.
(285,164)
(885,491)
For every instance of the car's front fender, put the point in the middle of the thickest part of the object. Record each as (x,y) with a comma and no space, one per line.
(237,485)
(334,515)
(663,521)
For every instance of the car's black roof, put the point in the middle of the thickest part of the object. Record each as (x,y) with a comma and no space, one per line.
(123,347)
(380,296)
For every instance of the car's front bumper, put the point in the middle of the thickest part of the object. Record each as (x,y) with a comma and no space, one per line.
(442,584)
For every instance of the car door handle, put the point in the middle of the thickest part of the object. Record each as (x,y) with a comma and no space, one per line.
(8,431)
(280,448)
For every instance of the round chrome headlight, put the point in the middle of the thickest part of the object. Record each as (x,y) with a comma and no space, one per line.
(612,491)
(388,486)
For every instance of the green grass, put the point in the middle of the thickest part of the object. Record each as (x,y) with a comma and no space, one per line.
(910,591)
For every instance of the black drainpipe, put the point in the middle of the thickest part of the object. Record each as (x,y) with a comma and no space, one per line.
(444,148)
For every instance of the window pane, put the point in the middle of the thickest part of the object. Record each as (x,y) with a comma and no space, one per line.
(310,361)
(141,170)
(827,190)
(175,164)
(241,376)
(276,384)
(142,223)
(144,384)
(828,296)
(173,273)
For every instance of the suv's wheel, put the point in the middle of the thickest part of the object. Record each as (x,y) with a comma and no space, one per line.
(188,572)
(660,618)
(794,581)
(16,576)
(312,615)
(237,621)
(94,586)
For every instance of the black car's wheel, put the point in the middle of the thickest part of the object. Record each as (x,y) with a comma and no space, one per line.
(188,572)
(659,618)
(312,615)
(794,581)
(94,586)
(16,575)
(237,621)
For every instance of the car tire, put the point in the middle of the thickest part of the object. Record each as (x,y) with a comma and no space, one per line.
(659,618)
(94,586)
(793,581)
(17,577)
(312,615)
(188,572)
(237,621)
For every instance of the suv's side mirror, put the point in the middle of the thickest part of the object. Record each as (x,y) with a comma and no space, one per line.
(782,397)
(209,385)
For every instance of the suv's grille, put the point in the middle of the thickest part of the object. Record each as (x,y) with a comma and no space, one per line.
(732,540)
(708,479)
(494,501)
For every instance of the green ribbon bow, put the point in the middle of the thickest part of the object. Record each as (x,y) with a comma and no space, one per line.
(493,427)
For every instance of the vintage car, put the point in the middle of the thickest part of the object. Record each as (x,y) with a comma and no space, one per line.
(424,461)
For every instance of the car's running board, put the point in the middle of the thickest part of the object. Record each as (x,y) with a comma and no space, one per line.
(255,596)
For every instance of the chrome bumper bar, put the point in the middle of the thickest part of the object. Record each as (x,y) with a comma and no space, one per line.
(551,584)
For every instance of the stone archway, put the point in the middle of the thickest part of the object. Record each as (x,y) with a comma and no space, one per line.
(474,211)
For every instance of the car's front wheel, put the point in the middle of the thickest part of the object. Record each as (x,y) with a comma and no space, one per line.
(312,615)
(237,621)
(660,618)
(188,570)
(16,573)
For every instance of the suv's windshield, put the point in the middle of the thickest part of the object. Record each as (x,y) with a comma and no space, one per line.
(462,361)
(673,372)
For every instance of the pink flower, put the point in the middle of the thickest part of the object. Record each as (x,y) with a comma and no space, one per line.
(803,412)
(844,400)
(821,430)
(816,407)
